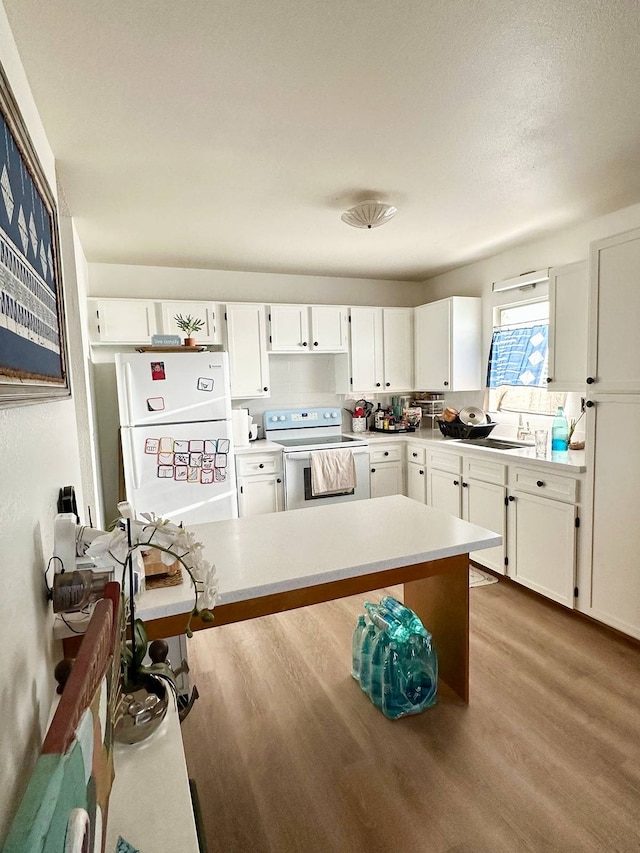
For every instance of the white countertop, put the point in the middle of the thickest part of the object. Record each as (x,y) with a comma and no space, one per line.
(283,551)
(571,462)
(260,445)
(161,819)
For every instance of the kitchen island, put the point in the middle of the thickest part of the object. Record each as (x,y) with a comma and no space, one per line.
(270,563)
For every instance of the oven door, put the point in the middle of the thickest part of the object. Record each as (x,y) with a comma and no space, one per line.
(297,480)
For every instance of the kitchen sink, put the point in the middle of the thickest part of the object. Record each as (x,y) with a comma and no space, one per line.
(496,443)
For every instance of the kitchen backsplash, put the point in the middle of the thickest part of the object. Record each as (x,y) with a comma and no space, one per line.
(301,380)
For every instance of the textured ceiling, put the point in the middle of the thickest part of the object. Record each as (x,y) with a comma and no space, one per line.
(231,135)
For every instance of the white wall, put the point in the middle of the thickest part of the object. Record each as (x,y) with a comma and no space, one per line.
(224,286)
(39,446)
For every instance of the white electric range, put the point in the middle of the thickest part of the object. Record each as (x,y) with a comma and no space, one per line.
(302,431)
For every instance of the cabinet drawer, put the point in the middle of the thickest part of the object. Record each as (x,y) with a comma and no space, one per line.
(416,453)
(451,462)
(484,470)
(544,484)
(258,463)
(385,452)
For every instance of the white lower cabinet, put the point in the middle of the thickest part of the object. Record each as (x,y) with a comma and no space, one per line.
(260,483)
(537,520)
(484,504)
(541,533)
(386,469)
(444,478)
(416,473)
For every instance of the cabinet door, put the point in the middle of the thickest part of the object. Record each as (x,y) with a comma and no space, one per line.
(433,346)
(614,342)
(443,491)
(247,343)
(329,328)
(542,545)
(259,495)
(208,312)
(483,504)
(568,325)
(398,348)
(613,593)
(386,479)
(366,349)
(289,328)
(417,482)
(127,321)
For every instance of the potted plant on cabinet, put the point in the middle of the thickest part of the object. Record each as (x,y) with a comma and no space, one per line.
(189,325)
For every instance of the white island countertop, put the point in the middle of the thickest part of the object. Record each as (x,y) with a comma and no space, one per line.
(284,551)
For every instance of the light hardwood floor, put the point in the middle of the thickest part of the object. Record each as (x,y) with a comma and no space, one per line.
(289,755)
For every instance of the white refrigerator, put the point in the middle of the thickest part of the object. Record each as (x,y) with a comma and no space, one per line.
(175,427)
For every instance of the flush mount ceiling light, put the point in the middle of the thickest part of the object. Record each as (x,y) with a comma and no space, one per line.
(369,214)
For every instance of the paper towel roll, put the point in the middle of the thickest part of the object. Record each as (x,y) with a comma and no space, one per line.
(240,424)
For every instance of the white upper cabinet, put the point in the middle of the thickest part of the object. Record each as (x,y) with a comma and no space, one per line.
(209,312)
(568,326)
(397,335)
(614,342)
(120,321)
(448,345)
(308,328)
(247,345)
(381,350)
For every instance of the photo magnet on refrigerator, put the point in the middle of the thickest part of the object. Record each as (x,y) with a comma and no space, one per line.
(204,384)
(157,370)
(155,404)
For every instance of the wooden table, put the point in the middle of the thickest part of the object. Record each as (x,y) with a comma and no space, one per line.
(270,563)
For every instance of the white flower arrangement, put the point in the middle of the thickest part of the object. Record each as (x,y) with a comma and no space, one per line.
(174,543)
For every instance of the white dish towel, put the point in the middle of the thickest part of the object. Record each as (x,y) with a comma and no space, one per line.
(332,471)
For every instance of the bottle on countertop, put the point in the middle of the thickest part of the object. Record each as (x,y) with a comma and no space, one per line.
(560,431)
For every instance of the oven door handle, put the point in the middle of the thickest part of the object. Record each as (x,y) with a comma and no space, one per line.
(304,454)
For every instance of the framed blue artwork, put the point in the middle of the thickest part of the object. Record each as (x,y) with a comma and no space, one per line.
(33,365)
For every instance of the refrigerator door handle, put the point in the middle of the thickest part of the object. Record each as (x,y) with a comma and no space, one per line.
(136,470)
(127,386)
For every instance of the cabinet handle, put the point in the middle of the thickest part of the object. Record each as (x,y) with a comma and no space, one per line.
(421,472)
(278,480)
(540,483)
(445,383)
(590,380)
(511,499)
(377,384)
(414,455)
(315,343)
(456,482)
(304,343)
(261,465)
(265,388)
(589,404)
(386,453)
(464,485)
(549,379)
(388,384)
(373,470)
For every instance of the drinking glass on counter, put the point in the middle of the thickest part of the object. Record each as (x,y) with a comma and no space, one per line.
(541,437)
